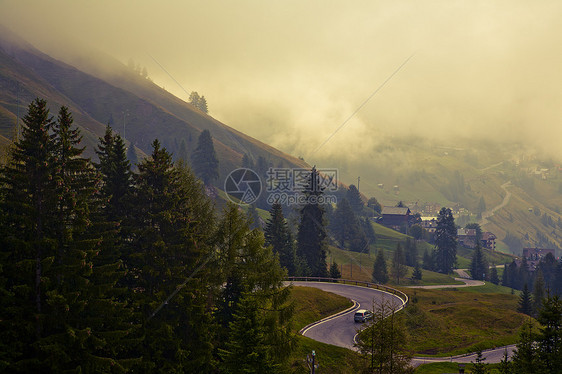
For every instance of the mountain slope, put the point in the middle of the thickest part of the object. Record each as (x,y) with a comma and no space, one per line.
(135,107)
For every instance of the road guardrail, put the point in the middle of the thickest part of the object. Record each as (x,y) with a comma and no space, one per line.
(377,286)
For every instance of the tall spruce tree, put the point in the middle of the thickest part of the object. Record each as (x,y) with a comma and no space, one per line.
(478,264)
(311,237)
(204,159)
(494,275)
(525,301)
(169,234)
(398,267)
(115,170)
(253,295)
(550,336)
(445,242)
(539,292)
(380,271)
(50,256)
(355,201)
(278,236)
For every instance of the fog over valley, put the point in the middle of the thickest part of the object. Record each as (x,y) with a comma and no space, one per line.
(290,73)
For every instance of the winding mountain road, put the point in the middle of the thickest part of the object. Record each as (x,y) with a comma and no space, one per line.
(489,213)
(340,329)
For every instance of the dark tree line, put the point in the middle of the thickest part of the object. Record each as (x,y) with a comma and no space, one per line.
(105,270)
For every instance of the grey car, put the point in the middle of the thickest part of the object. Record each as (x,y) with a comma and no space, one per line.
(362,315)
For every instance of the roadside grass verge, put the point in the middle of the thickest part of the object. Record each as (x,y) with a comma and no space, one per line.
(454,321)
(332,359)
(312,304)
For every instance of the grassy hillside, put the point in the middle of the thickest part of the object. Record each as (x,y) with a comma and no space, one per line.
(467,319)
(134,107)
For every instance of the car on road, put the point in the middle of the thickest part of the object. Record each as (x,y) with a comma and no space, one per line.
(362,315)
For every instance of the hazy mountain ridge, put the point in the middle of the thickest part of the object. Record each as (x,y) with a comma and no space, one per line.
(129,103)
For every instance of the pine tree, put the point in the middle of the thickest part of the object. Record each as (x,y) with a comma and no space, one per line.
(380,272)
(48,193)
(427,263)
(247,349)
(505,279)
(194,99)
(204,159)
(169,230)
(335,271)
(538,292)
(505,364)
(203,105)
(525,302)
(494,275)
(445,242)
(417,273)
(278,236)
(311,236)
(132,156)
(411,252)
(355,201)
(550,336)
(478,265)
(525,358)
(347,229)
(368,230)
(249,269)
(479,366)
(398,268)
(115,170)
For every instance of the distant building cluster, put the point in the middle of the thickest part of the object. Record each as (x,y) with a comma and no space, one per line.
(468,238)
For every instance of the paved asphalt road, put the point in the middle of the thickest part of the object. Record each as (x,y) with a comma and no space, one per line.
(342,329)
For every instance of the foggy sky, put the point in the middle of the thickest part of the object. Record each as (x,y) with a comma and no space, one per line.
(290,72)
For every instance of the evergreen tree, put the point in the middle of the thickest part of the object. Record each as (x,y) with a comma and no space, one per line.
(251,270)
(538,292)
(311,237)
(203,105)
(115,170)
(247,162)
(494,275)
(398,268)
(505,364)
(253,216)
(368,230)
(478,229)
(445,242)
(525,302)
(278,236)
(411,252)
(194,99)
(417,273)
(525,358)
(380,271)
(478,265)
(169,230)
(355,200)
(427,263)
(204,159)
(347,228)
(132,156)
(550,336)
(182,153)
(479,366)
(247,349)
(505,279)
(54,293)
(335,271)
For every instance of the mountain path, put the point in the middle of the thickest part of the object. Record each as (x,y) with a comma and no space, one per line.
(489,213)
